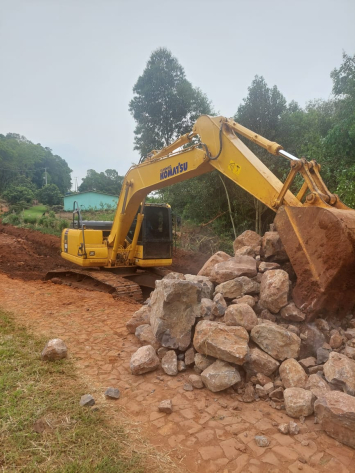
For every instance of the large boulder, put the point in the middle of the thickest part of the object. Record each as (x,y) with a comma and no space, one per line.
(144,360)
(339,371)
(210,263)
(274,290)
(312,339)
(220,375)
(145,335)
(336,413)
(272,248)
(247,238)
(238,287)
(240,315)
(276,341)
(292,374)
(292,313)
(298,402)
(169,363)
(207,286)
(174,306)
(54,350)
(233,268)
(222,342)
(141,317)
(317,385)
(257,361)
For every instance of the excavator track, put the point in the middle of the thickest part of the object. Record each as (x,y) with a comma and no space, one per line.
(102,281)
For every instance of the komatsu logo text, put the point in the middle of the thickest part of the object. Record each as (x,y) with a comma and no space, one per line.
(172,171)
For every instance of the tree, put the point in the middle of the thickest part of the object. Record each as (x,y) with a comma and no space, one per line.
(261,111)
(109,182)
(165,104)
(16,194)
(50,195)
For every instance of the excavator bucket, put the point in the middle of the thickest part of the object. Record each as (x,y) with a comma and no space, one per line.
(320,243)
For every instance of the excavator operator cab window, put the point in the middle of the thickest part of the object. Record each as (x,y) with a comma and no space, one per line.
(156,232)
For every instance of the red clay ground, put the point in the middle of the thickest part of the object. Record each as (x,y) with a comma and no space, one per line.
(204,433)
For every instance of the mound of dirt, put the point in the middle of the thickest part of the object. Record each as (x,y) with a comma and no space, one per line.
(28,254)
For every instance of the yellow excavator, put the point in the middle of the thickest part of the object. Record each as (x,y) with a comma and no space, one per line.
(316,228)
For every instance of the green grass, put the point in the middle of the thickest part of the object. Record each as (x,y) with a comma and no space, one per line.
(35,211)
(75,439)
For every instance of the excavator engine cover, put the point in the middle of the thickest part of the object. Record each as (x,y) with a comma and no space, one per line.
(320,243)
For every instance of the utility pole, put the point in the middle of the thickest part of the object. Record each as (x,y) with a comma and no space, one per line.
(76,184)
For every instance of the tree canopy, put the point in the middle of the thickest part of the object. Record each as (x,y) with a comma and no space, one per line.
(109,182)
(165,104)
(19,157)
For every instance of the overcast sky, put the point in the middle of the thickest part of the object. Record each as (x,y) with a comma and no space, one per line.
(68,66)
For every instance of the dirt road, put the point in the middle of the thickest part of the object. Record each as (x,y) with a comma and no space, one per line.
(203,434)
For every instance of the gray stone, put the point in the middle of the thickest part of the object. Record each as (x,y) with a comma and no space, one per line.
(240,315)
(264,266)
(145,335)
(220,306)
(207,287)
(292,313)
(188,387)
(336,413)
(189,356)
(323,355)
(298,402)
(166,406)
(144,360)
(55,349)
(174,275)
(261,441)
(257,361)
(245,300)
(87,400)
(112,393)
(272,248)
(207,268)
(317,385)
(233,268)
(196,381)
(245,251)
(292,374)
(274,289)
(219,376)
(276,341)
(222,342)
(174,307)
(181,366)
(312,339)
(202,362)
(339,371)
(170,363)
(141,317)
(247,238)
(207,307)
(293,428)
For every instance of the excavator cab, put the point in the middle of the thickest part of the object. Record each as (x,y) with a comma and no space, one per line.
(155,237)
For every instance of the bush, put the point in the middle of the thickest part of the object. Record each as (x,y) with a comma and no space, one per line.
(12,219)
(30,219)
(51,214)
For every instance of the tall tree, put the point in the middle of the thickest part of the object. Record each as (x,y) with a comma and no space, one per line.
(261,111)
(165,104)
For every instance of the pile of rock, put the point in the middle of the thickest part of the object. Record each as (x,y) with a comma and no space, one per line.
(236,326)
